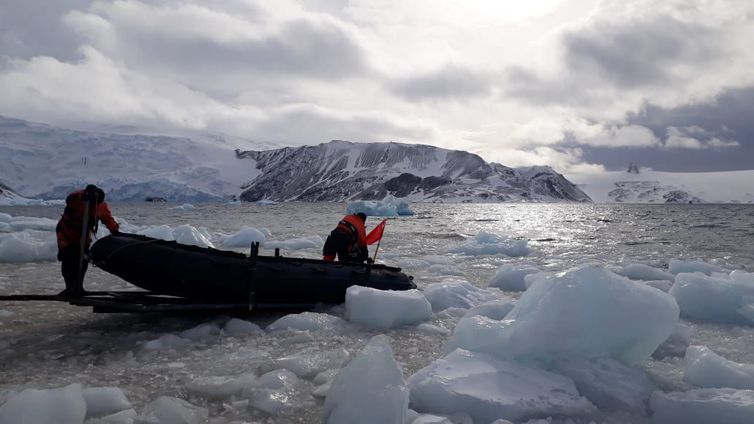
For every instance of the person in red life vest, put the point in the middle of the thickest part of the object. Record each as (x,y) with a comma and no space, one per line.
(81,206)
(348,240)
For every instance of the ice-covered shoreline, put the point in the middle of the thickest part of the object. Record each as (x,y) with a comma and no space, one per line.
(235,369)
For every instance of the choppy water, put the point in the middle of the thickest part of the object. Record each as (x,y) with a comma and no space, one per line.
(46,345)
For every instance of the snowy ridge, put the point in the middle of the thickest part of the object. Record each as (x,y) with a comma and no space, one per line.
(341,170)
(668,187)
(44,161)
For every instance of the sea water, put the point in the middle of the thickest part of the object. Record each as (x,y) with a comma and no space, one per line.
(48,345)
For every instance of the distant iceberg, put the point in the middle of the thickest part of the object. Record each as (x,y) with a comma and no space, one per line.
(389,206)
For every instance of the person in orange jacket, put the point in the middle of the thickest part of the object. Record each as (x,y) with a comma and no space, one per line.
(348,240)
(70,230)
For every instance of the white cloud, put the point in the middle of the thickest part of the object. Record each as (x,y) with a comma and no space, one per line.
(695,137)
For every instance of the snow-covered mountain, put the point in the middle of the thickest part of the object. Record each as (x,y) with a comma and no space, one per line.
(39,160)
(341,170)
(46,162)
(7,194)
(650,186)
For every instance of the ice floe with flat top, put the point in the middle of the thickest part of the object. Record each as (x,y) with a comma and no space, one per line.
(65,405)
(511,277)
(492,244)
(386,308)
(308,363)
(609,384)
(488,388)
(703,406)
(27,246)
(220,387)
(389,206)
(719,298)
(244,237)
(644,272)
(677,266)
(172,410)
(458,294)
(588,311)
(278,392)
(707,369)
(307,321)
(369,390)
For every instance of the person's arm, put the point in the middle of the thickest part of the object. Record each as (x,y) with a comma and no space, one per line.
(107,218)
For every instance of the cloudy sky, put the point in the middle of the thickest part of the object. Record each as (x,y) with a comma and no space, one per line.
(581,85)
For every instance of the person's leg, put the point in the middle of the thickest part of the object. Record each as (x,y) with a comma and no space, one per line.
(71,261)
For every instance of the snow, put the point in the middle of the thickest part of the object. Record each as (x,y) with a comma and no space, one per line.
(587,311)
(703,406)
(716,187)
(678,266)
(705,368)
(369,390)
(722,298)
(644,272)
(488,388)
(65,405)
(511,277)
(386,309)
(389,206)
(492,244)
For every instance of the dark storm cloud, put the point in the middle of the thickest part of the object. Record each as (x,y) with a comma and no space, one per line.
(639,53)
(30,29)
(727,118)
(449,83)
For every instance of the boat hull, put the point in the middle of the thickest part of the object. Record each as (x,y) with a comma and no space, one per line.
(211,275)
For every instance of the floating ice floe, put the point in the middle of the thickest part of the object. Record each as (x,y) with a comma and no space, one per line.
(27,246)
(488,388)
(511,277)
(369,390)
(277,392)
(65,405)
(385,308)
(238,327)
(719,298)
(23,201)
(678,266)
(706,369)
(644,272)
(102,401)
(308,364)
(219,387)
(496,309)
(589,312)
(266,202)
(166,409)
(703,406)
(244,237)
(492,244)
(389,206)
(311,242)
(607,383)
(458,294)
(184,207)
(183,234)
(307,321)
(676,344)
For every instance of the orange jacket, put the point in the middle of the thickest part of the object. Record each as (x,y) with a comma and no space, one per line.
(70,225)
(353,226)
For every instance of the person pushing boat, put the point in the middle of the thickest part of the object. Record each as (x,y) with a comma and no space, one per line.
(84,209)
(348,241)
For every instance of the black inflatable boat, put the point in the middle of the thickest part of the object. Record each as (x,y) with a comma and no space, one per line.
(215,276)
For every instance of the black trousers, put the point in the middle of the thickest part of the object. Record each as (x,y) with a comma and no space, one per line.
(71,260)
(345,247)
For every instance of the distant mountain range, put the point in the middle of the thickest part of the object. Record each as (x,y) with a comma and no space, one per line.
(43,161)
(341,170)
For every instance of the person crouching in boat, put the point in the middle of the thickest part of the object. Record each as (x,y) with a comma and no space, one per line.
(83,208)
(348,240)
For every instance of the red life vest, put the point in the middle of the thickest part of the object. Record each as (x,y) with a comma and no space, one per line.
(353,226)
(69,227)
